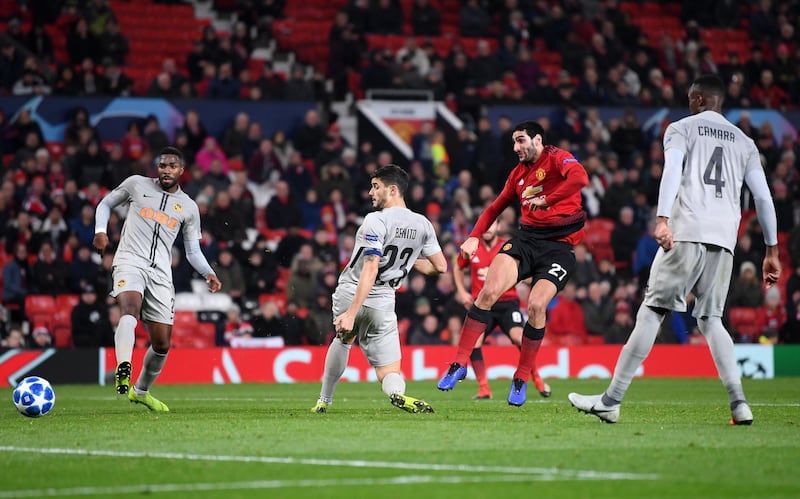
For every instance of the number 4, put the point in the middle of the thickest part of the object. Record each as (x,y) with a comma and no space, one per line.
(558,271)
(716,163)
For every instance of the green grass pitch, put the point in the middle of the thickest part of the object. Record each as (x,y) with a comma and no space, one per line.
(233,441)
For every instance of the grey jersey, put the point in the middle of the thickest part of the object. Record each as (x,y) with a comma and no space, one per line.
(154,219)
(399,236)
(717,157)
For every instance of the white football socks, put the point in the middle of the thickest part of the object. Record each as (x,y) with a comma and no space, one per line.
(335,364)
(393,383)
(634,352)
(124,338)
(151,368)
(721,346)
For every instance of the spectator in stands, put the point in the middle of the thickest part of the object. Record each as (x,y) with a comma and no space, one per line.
(16,279)
(269,322)
(598,309)
(90,165)
(241,40)
(784,205)
(765,93)
(425,18)
(762,21)
(261,273)
(41,338)
(195,132)
(196,59)
(566,325)
(298,87)
(385,17)
(334,177)
(31,83)
(625,237)
(91,326)
(224,85)
(308,136)
(133,144)
(236,327)
(234,138)
(11,64)
(182,272)
(81,43)
(303,277)
(54,229)
(585,269)
(644,254)
(426,332)
(225,222)
(115,82)
(475,21)
(297,175)
(772,317)
(113,44)
(67,83)
(49,273)
(746,289)
(14,338)
(228,267)
(39,42)
(82,270)
(311,210)
(320,320)
(415,55)
(621,327)
(210,153)
(21,230)
(272,85)
(283,210)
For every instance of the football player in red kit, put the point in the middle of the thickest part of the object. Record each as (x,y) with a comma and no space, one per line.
(547,183)
(505,313)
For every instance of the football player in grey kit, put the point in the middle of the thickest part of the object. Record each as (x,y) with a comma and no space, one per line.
(707,159)
(388,244)
(142,271)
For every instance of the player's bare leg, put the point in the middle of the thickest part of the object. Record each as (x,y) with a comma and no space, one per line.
(502,274)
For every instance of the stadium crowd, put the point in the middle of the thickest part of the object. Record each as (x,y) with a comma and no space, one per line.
(279,212)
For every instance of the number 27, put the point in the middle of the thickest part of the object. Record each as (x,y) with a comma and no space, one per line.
(558,271)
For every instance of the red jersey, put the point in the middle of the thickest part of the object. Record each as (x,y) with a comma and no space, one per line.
(479,266)
(559,177)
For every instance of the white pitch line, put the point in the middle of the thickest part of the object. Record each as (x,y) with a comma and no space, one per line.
(579,474)
(263,484)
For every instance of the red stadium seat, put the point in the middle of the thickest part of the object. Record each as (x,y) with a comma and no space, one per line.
(39,309)
(744,322)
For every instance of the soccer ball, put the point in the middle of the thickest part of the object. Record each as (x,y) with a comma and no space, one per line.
(34,397)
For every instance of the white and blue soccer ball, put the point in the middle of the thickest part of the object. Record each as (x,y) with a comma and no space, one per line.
(34,397)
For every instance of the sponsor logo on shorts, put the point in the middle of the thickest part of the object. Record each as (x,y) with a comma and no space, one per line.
(371,237)
(506,246)
(121,283)
(177,207)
